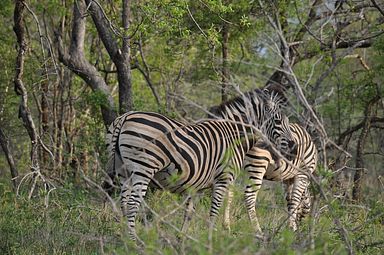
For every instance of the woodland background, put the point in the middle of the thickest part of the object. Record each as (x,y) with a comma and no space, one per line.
(68,68)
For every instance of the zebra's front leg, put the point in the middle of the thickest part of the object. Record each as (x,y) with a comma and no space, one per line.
(227,221)
(256,164)
(295,197)
(220,189)
(305,206)
(251,191)
(132,194)
(189,209)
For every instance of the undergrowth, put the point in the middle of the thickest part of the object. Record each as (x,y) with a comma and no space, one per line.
(77,221)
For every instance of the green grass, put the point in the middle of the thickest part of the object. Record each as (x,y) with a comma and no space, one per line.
(76,221)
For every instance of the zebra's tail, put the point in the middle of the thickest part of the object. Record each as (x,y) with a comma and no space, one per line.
(111,140)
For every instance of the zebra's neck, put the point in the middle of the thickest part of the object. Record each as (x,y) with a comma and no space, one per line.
(246,109)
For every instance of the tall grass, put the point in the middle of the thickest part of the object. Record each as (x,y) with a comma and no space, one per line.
(77,221)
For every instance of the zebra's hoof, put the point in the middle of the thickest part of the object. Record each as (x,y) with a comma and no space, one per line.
(261,237)
(227,227)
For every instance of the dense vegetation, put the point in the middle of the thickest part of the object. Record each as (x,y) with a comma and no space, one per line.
(68,68)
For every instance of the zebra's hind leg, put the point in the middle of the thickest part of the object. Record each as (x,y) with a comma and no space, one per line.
(189,208)
(294,198)
(227,221)
(305,205)
(132,194)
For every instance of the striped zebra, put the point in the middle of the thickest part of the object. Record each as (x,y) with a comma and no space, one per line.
(260,163)
(147,147)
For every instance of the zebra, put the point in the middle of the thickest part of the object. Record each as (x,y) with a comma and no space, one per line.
(261,163)
(149,148)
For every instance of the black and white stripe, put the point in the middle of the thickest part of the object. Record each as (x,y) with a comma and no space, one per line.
(261,164)
(146,147)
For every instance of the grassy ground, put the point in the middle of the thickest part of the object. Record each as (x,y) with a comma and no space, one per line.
(75,221)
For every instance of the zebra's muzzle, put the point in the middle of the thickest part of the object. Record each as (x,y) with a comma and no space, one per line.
(289,149)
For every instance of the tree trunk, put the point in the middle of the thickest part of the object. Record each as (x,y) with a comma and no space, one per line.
(358,177)
(11,162)
(123,64)
(44,119)
(20,89)
(76,61)
(225,67)
(120,57)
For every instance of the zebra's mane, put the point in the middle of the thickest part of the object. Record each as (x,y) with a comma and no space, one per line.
(274,97)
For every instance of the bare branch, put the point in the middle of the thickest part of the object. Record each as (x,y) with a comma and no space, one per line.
(377,7)
(103,26)
(146,72)
(357,179)
(335,63)
(363,63)
(24,112)
(357,127)
(4,143)
(197,24)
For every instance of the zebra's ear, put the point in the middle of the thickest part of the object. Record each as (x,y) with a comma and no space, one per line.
(265,94)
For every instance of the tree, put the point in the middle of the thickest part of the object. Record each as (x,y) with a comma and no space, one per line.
(20,89)
(76,61)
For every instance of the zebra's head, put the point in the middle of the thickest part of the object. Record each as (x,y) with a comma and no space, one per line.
(262,109)
(276,124)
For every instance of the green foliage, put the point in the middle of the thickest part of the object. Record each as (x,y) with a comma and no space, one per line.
(97,99)
(181,41)
(143,98)
(75,221)
(35,229)
(325,174)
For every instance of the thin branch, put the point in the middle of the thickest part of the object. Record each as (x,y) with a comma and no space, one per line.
(146,72)
(335,63)
(377,7)
(362,62)
(149,82)
(104,27)
(197,24)
(4,143)
(355,128)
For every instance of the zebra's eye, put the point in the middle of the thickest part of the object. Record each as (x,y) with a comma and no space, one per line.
(278,122)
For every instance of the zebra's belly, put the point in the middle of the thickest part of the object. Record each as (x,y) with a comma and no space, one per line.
(173,179)
(168,177)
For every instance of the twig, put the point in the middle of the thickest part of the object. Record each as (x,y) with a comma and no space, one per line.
(102,191)
(363,63)
(197,24)
(171,225)
(378,7)
(40,37)
(115,30)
